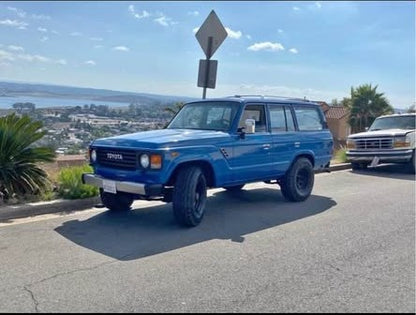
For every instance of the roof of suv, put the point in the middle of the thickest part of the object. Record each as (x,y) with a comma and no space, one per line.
(262,99)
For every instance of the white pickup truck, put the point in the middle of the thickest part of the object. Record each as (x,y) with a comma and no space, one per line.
(390,139)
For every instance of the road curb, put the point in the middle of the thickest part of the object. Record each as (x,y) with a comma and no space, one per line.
(66,206)
(37,208)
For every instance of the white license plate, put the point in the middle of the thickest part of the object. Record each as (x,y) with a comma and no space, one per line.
(109,186)
(375,161)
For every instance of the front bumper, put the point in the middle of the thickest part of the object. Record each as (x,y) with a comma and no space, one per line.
(141,189)
(393,156)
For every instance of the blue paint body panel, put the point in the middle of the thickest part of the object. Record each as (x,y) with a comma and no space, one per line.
(229,157)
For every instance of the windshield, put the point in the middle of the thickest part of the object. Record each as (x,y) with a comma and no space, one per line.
(397,122)
(205,115)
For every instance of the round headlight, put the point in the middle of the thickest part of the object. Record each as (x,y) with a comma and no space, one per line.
(144,160)
(93,155)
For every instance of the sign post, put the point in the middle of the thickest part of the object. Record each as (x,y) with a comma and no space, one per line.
(210,36)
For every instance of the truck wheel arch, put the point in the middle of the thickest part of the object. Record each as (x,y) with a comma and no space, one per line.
(205,166)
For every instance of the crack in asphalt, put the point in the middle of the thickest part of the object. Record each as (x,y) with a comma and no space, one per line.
(35,302)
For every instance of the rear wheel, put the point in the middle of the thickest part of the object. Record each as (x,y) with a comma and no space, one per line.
(189,196)
(298,182)
(116,202)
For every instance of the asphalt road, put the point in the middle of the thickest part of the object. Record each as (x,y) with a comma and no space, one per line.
(349,248)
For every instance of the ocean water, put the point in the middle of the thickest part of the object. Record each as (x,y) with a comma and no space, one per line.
(42,102)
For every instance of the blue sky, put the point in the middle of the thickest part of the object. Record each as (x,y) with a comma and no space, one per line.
(313,49)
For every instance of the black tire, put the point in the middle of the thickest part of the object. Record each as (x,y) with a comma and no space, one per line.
(358,166)
(235,188)
(298,182)
(116,202)
(189,196)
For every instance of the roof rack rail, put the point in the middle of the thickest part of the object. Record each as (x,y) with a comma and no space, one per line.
(276,96)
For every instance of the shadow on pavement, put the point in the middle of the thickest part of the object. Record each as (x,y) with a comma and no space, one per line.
(152,230)
(397,171)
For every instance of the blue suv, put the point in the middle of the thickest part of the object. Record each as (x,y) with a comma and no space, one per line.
(224,142)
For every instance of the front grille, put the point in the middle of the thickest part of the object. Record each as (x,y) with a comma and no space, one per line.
(374,143)
(123,159)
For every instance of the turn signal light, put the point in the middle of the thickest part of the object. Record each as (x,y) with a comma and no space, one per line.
(155,161)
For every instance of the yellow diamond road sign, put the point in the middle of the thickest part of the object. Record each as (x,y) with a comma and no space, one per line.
(211,27)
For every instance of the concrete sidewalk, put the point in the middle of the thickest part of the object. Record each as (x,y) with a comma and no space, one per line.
(66,206)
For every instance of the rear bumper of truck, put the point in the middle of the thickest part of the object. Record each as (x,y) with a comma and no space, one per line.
(147,190)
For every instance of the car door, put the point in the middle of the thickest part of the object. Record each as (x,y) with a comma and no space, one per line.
(251,154)
(284,137)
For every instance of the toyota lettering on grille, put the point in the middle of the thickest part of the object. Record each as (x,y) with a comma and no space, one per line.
(114,156)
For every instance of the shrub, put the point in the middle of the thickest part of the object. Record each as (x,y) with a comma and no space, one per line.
(341,155)
(71,186)
(19,173)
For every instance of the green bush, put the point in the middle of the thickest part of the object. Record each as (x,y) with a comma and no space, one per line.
(341,155)
(71,186)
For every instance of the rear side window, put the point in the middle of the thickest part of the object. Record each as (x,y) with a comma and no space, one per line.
(309,118)
(281,118)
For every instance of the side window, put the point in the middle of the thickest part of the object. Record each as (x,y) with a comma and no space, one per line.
(257,113)
(308,118)
(277,118)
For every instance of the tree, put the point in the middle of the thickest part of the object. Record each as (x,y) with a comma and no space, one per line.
(411,108)
(176,108)
(334,102)
(19,173)
(365,106)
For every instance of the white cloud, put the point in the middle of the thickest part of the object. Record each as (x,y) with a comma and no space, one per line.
(20,13)
(44,38)
(193,13)
(97,39)
(54,32)
(296,9)
(61,62)
(280,30)
(42,29)
(194,30)
(6,56)
(164,21)
(139,16)
(267,46)
(76,34)
(98,46)
(233,34)
(40,17)
(90,62)
(248,36)
(15,48)
(32,58)
(318,4)
(14,23)
(293,50)
(121,48)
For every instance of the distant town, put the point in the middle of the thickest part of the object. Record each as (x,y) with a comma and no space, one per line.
(69,130)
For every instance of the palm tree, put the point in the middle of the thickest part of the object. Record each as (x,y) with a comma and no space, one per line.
(365,106)
(19,173)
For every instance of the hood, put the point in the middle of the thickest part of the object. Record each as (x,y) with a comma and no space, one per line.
(381,133)
(159,138)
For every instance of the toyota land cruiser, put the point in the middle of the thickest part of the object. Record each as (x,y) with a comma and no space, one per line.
(225,142)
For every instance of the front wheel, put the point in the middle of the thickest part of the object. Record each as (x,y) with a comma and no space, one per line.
(297,184)
(189,196)
(116,202)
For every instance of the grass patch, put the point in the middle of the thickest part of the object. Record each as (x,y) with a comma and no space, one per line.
(70,185)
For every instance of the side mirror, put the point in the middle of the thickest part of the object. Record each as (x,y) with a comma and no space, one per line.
(250,126)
